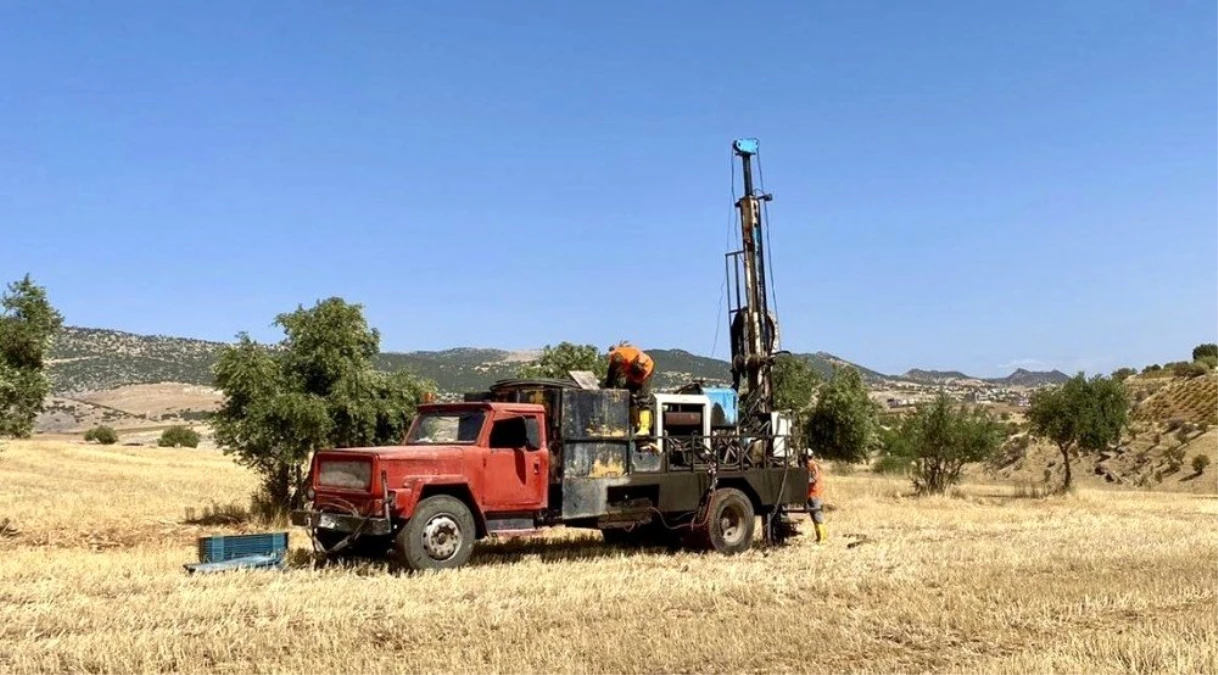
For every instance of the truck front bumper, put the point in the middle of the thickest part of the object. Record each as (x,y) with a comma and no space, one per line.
(341,522)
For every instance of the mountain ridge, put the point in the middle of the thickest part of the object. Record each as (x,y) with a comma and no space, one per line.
(92,359)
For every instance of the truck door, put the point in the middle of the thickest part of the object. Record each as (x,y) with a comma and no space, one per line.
(516,473)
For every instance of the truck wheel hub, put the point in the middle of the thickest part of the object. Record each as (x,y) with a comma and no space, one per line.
(441,537)
(731,525)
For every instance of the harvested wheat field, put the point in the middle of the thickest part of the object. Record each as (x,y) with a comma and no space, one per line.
(91,580)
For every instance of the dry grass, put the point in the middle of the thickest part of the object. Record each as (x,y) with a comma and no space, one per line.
(984,582)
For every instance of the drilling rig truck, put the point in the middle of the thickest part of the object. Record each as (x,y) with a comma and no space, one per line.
(529,454)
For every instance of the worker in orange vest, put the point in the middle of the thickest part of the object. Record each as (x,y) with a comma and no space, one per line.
(816,487)
(632,367)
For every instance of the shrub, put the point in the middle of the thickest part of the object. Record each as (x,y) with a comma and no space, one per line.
(1210,362)
(102,434)
(1175,423)
(1186,369)
(1152,368)
(1183,432)
(1005,417)
(1204,350)
(938,440)
(1122,374)
(179,437)
(1199,464)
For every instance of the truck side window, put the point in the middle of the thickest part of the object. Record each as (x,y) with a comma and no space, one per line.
(509,433)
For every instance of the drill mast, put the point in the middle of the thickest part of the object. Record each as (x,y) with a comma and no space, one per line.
(753,325)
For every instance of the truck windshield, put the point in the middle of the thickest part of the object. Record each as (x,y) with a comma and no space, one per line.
(446,427)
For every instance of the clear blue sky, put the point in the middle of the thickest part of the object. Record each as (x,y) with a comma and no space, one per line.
(958,185)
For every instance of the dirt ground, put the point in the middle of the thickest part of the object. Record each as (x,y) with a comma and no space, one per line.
(1104,581)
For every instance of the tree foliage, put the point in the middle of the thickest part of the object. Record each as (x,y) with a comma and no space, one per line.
(1189,368)
(1203,350)
(102,434)
(1122,374)
(842,423)
(935,443)
(795,383)
(315,389)
(178,436)
(557,361)
(28,322)
(1081,416)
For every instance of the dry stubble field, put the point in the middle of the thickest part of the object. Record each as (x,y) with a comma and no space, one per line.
(1099,582)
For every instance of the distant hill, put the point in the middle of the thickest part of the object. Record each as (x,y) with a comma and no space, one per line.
(1019,378)
(1186,399)
(1031,378)
(934,376)
(95,359)
(92,359)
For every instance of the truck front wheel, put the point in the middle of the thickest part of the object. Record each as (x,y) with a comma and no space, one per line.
(729,523)
(440,535)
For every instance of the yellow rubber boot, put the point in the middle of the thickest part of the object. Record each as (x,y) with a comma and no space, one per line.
(821,533)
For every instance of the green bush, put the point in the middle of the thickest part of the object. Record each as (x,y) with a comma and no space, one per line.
(1187,369)
(937,441)
(179,437)
(1152,368)
(102,434)
(1210,362)
(1204,350)
(1199,464)
(1122,374)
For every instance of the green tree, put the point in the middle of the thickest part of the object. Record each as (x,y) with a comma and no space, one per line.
(1205,349)
(842,423)
(1081,416)
(102,434)
(795,383)
(556,362)
(936,443)
(28,322)
(315,389)
(1122,374)
(178,436)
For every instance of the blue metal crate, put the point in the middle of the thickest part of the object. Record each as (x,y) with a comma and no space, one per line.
(230,546)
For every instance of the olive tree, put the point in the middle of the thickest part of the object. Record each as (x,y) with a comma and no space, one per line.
(842,423)
(557,361)
(1081,416)
(28,322)
(935,443)
(314,389)
(795,383)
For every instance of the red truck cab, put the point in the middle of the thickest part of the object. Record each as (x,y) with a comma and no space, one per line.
(464,469)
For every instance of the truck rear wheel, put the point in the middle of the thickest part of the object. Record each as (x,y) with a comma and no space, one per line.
(729,523)
(440,535)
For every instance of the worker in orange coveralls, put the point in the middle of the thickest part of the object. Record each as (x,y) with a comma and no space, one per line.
(635,367)
(816,487)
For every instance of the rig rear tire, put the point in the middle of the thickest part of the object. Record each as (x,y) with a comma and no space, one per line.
(440,535)
(730,520)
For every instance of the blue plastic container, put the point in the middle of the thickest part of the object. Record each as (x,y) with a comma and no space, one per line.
(723,406)
(230,546)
